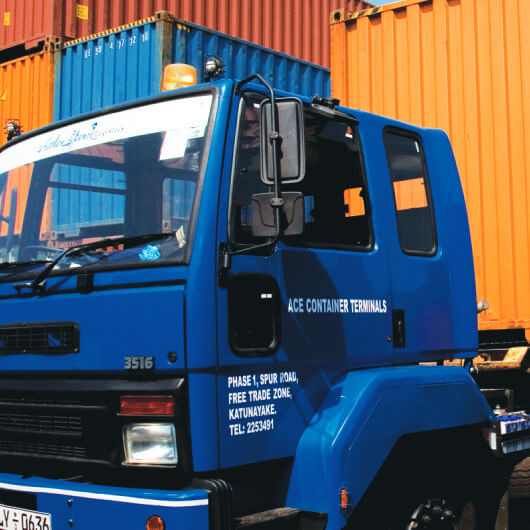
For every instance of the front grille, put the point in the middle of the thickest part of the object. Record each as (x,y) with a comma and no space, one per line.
(58,426)
(62,427)
(31,423)
(47,337)
(41,449)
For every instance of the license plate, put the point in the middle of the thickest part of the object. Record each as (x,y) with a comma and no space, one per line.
(17,519)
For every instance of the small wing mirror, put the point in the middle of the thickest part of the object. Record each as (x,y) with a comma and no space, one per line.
(292,214)
(11,218)
(290,124)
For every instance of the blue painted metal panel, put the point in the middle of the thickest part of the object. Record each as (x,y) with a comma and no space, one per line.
(125,65)
(134,319)
(193,44)
(86,506)
(363,416)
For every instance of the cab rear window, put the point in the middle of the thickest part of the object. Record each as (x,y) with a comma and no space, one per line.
(412,194)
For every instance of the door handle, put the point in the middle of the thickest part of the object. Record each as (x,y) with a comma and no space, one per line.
(398,328)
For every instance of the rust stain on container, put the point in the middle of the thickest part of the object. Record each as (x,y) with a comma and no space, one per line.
(462,66)
(294,27)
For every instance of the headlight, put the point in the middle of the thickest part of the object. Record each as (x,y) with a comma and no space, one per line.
(150,443)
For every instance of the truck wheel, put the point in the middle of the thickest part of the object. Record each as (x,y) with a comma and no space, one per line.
(519,485)
(422,486)
(418,505)
(438,514)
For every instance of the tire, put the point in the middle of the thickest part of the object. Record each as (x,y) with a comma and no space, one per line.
(519,484)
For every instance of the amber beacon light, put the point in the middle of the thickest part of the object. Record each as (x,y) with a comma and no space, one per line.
(178,75)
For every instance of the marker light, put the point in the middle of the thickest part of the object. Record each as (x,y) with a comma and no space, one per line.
(213,67)
(150,444)
(178,75)
(344,499)
(147,405)
(155,522)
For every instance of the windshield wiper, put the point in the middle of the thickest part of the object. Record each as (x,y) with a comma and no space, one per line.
(38,284)
(16,264)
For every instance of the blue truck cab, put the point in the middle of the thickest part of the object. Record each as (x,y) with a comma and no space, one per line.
(228,307)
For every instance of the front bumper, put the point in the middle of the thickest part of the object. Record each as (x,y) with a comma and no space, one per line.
(87,506)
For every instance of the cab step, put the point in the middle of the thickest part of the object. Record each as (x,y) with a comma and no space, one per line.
(282,519)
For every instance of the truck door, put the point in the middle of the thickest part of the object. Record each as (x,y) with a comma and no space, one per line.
(427,258)
(291,320)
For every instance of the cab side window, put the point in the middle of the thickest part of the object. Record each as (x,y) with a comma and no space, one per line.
(336,199)
(247,171)
(337,213)
(412,194)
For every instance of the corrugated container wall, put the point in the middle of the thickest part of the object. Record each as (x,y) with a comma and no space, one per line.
(25,23)
(127,64)
(192,44)
(113,68)
(462,66)
(294,27)
(26,98)
(26,92)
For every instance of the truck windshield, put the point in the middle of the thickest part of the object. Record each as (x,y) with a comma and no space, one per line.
(117,176)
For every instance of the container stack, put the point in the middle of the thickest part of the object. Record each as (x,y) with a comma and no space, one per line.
(124,64)
(289,26)
(59,58)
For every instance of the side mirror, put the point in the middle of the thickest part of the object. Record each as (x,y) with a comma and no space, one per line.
(290,125)
(11,218)
(292,214)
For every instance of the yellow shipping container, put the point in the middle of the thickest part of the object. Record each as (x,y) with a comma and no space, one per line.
(462,66)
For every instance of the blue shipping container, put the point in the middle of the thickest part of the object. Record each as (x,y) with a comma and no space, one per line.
(192,44)
(126,64)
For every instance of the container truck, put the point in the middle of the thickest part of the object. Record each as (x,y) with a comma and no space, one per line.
(241,321)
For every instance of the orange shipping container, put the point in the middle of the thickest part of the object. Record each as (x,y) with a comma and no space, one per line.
(26,92)
(462,66)
(295,27)
(26,97)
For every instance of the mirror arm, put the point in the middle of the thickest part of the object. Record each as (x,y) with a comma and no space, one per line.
(275,139)
(225,255)
(224,262)
(261,79)
(11,219)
